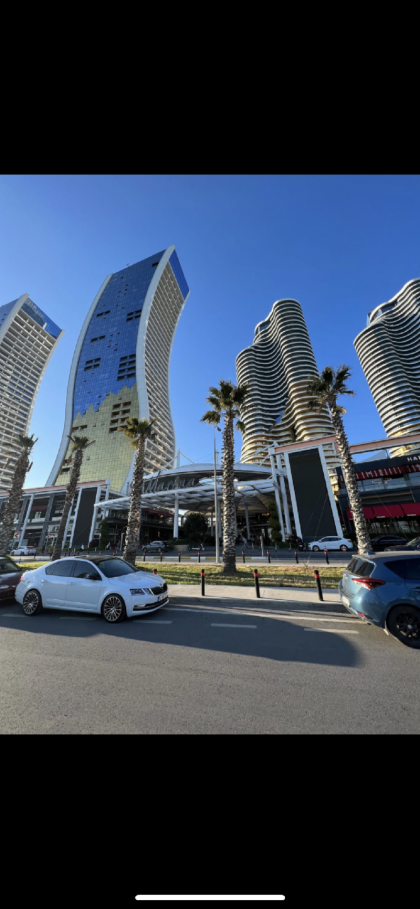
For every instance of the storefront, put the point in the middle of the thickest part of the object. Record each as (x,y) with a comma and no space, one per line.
(390,492)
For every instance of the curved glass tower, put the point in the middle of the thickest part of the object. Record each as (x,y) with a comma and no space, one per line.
(277,366)
(28,339)
(120,369)
(388,350)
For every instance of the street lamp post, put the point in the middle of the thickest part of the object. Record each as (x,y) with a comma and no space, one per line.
(215,502)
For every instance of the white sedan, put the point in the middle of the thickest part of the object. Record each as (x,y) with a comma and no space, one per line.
(101,584)
(24,550)
(331,543)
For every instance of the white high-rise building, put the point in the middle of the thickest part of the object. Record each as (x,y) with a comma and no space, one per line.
(388,350)
(28,338)
(277,366)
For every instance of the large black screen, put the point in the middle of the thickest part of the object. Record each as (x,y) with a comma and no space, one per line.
(314,508)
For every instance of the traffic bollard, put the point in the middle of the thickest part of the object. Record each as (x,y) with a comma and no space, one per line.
(296,557)
(179,557)
(318,584)
(268,556)
(326,556)
(257,583)
(155,571)
(243,557)
(144,555)
(161,557)
(203,582)
(199,556)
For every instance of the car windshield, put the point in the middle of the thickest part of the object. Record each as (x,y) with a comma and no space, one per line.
(414,542)
(115,568)
(8,565)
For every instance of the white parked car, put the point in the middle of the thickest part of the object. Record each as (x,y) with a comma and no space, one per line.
(331,543)
(24,550)
(101,584)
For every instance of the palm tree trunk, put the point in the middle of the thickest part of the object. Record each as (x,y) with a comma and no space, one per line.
(134,514)
(12,505)
(70,494)
(362,533)
(229,524)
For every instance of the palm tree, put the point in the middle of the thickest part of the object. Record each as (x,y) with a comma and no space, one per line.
(325,390)
(23,466)
(80,444)
(138,431)
(228,400)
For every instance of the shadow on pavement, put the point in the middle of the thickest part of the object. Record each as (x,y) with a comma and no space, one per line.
(272,639)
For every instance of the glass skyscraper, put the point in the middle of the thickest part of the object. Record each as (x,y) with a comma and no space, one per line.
(120,369)
(28,338)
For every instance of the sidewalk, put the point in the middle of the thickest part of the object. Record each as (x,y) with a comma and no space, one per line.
(292,598)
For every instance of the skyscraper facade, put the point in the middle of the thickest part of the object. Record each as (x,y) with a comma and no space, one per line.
(388,350)
(28,338)
(277,366)
(120,369)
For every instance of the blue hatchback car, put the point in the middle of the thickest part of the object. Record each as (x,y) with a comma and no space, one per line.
(383,588)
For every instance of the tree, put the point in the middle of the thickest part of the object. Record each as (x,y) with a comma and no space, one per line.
(228,399)
(274,523)
(195,527)
(325,390)
(80,444)
(25,444)
(104,537)
(138,431)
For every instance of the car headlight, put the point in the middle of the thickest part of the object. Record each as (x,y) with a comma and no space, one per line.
(138,592)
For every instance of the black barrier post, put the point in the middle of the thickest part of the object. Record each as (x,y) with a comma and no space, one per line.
(155,571)
(318,584)
(296,557)
(268,556)
(179,557)
(257,583)
(326,556)
(161,557)
(203,582)
(144,555)
(199,556)
(243,557)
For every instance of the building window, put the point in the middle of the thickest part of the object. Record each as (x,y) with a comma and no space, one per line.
(92,364)
(105,313)
(100,338)
(127,367)
(133,315)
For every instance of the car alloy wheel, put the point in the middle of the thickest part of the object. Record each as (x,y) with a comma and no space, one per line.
(404,624)
(32,603)
(113,609)
(315,548)
(344,548)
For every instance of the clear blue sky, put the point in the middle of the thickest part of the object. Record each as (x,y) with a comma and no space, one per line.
(339,244)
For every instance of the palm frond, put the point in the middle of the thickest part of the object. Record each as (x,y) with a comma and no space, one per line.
(211,417)
(79,442)
(240,427)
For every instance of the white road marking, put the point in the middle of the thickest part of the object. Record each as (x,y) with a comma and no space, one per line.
(334,630)
(154,621)
(227,625)
(14,615)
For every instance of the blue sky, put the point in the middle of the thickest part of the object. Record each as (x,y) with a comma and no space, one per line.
(339,244)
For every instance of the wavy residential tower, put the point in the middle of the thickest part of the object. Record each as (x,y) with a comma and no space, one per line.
(277,366)
(28,338)
(120,369)
(388,350)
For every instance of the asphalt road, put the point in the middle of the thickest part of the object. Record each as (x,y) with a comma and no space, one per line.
(205,670)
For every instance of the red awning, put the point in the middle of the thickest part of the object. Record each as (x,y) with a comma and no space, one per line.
(411,509)
(388,511)
(382,511)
